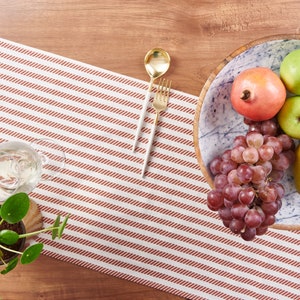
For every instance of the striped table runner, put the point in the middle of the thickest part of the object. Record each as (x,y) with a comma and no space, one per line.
(156,231)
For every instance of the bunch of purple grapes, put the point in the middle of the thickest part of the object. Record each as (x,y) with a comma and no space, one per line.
(247,179)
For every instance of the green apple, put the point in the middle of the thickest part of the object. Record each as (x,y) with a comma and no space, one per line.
(289,117)
(296,169)
(290,72)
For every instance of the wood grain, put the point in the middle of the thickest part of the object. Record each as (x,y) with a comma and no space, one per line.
(115,35)
(48,278)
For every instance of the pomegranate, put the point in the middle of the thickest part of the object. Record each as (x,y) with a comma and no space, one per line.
(258,94)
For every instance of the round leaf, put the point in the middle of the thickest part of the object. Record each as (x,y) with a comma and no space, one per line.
(8,237)
(31,253)
(15,208)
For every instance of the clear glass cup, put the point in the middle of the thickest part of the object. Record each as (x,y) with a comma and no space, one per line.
(23,166)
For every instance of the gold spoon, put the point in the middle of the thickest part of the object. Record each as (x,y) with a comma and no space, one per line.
(157,63)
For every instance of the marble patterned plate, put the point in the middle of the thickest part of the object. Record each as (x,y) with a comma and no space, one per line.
(216,123)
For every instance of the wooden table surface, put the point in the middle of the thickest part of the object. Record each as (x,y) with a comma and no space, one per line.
(115,35)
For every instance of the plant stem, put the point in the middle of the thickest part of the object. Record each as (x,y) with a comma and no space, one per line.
(24,235)
(10,250)
(3,262)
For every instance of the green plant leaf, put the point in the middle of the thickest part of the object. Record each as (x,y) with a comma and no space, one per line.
(31,253)
(15,208)
(62,227)
(10,266)
(8,237)
(55,230)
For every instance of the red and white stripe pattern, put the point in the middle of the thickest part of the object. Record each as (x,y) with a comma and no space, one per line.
(157,230)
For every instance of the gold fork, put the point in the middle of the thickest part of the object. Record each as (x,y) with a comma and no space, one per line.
(160,103)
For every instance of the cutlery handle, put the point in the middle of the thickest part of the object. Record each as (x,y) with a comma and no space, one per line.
(142,115)
(151,137)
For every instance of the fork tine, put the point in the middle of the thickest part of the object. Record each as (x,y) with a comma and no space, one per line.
(160,86)
(163,89)
(167,86)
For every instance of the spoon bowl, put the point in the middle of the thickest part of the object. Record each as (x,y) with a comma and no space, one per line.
(157,62)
